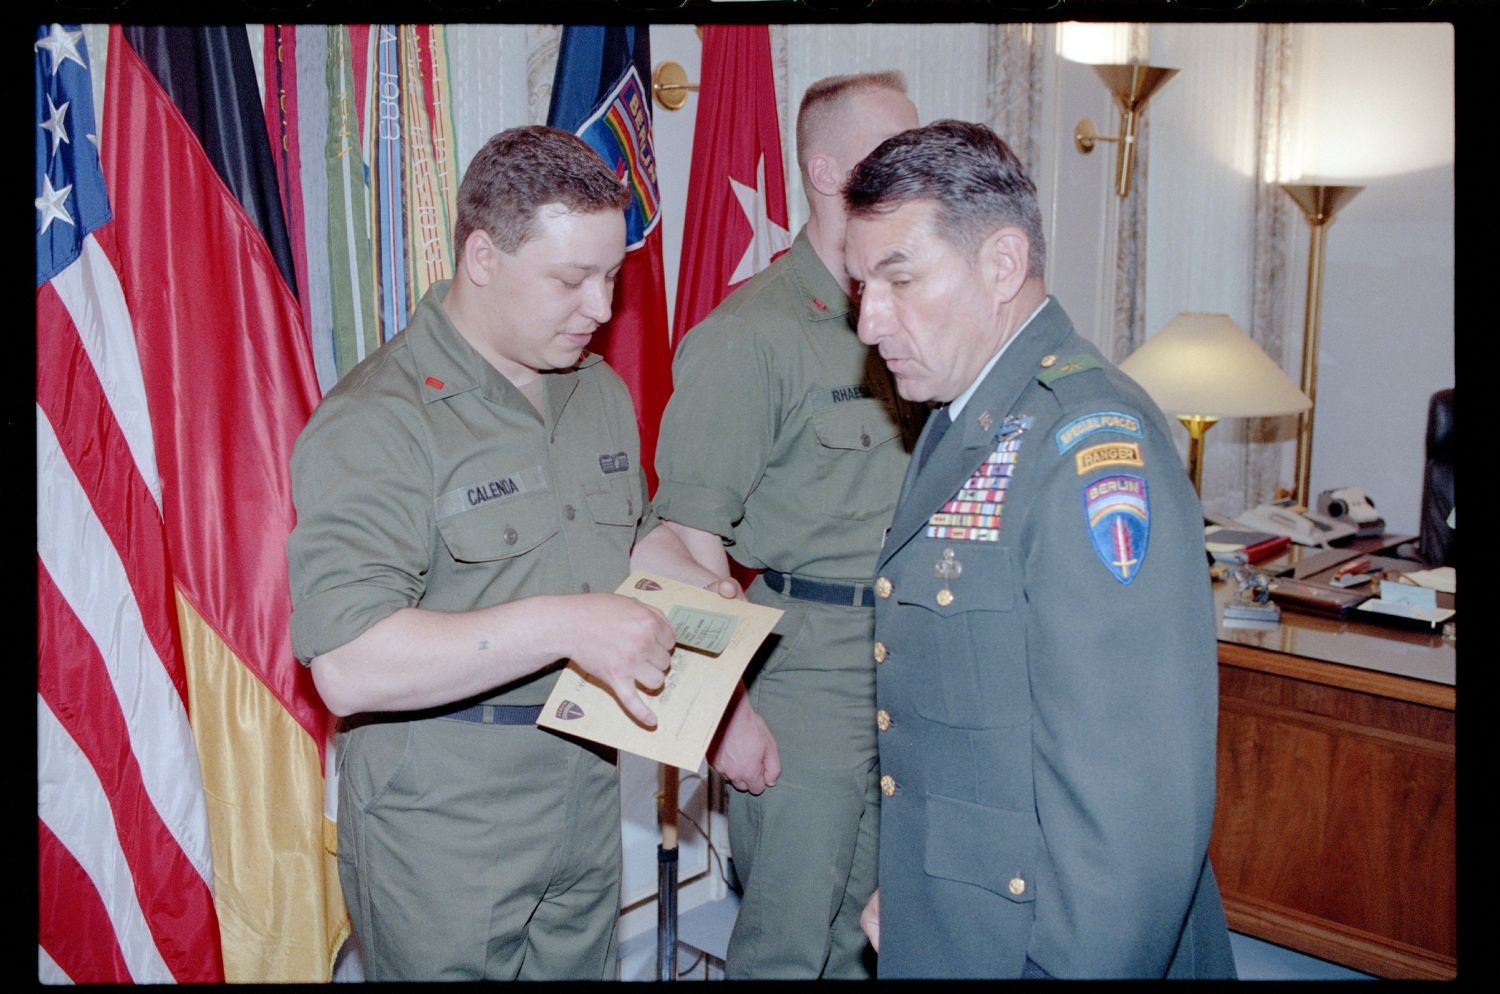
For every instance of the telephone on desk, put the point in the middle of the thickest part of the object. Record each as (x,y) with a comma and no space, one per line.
(1280,517)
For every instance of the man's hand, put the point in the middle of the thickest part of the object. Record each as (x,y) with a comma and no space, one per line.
(626,644)
(869,920)
(727,588)
(743,750)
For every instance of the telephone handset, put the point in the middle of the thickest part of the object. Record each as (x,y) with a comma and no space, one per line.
(1280,517)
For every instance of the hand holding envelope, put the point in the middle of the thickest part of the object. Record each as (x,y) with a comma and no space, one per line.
(716,638)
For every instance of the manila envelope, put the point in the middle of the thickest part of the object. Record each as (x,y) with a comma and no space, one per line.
(716,639)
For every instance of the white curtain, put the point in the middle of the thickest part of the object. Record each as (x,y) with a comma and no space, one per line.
(1219,227)
(975,72)
(491,81)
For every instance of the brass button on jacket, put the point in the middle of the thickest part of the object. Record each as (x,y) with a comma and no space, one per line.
(880,652)
(888,785)
(1017,886)
(883,587)
(883,720)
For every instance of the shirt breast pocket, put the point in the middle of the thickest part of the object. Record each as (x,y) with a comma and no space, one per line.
(501,529)
(975,650)
(613,505)
(854,441)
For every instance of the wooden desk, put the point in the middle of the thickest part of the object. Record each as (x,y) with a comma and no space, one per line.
(1334,828)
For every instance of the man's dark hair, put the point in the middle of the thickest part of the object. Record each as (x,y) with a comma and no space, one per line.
(966,169)
(521,169)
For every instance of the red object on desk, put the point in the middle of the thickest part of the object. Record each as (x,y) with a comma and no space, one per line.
(1267,548)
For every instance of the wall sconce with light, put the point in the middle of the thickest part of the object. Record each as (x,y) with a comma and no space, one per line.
(1202,367)
(1132,85)
(669,83)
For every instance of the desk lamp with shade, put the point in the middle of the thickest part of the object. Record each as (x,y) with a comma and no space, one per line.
(1201,367)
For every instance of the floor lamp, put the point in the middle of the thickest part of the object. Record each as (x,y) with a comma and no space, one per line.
(1201,367)
(1319,204)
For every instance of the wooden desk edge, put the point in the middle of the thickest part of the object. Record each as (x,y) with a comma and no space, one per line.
(1350,947)
(1401,688)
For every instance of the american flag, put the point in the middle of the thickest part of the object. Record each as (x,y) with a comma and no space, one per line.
(124,876)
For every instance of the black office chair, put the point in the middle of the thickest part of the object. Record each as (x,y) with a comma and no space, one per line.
(1435,546)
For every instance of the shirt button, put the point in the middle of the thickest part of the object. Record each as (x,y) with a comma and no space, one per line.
(888,785)
(880,652)
(511,536)
(585,587)
(882,587)
(568,511)
(864,439)
(883,720)
(944,597)
(1017,886)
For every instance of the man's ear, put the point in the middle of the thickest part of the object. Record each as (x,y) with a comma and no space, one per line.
(479,257)
(1006,256)
(824,176)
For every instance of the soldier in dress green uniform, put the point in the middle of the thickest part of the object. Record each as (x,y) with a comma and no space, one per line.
(1048,693)
(457,516)
(785,443)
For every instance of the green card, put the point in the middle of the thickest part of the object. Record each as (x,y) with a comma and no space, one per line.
(706,631)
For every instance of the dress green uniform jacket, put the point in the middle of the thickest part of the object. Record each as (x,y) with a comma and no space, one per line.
(1048,694)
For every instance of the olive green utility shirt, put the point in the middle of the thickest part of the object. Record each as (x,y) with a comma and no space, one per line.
(784,432)
(425,479)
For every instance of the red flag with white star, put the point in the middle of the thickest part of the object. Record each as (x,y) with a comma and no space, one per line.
(736,216)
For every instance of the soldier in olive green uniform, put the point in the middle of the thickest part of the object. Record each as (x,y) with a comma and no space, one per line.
(464,495)
(786,442)
(1048,696)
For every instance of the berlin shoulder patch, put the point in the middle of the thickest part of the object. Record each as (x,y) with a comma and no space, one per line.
(1117,511)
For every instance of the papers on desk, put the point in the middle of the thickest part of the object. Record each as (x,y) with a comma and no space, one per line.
(715,639)
(1443,579)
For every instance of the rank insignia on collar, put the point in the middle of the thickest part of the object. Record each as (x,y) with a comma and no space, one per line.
(1118,515)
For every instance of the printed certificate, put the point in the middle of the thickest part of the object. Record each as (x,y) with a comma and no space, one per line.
(716,638)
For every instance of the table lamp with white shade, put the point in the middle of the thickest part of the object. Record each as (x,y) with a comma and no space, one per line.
(1201,367)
